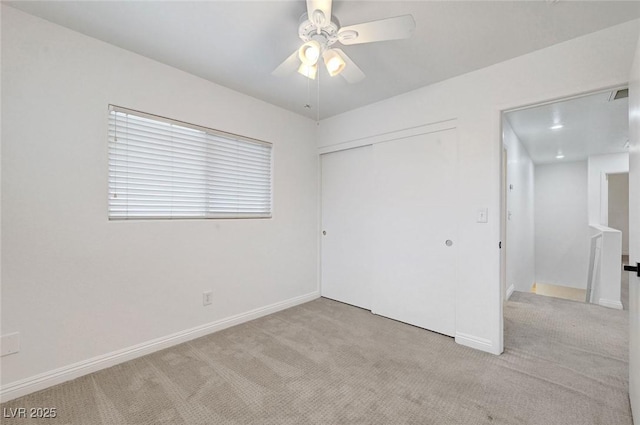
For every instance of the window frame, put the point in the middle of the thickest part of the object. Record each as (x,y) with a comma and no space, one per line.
(214,132)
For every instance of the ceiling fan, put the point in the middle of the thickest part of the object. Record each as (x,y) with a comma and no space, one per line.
(319,30)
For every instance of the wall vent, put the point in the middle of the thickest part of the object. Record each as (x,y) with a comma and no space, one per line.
(619,94)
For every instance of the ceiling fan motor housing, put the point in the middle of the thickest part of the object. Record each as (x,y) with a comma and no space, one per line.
(325,35)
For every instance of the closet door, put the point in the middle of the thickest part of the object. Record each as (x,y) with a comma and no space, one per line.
(347,187)
(414,258)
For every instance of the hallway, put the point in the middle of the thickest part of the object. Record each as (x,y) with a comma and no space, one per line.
(575,294)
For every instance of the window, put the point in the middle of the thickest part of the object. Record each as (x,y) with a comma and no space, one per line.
(160,168)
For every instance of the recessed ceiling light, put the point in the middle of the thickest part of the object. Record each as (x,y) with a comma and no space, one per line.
(560,156)
(556,127)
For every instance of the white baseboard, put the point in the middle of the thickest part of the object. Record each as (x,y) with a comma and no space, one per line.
(510,290)
(66,373)
(610,303)
(478,343)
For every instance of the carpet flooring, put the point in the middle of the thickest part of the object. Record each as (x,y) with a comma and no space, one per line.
(325,362)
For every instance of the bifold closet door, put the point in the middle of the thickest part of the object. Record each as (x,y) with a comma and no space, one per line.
(415,237)
(347,191)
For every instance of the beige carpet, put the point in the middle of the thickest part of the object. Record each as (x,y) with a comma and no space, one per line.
(328,363)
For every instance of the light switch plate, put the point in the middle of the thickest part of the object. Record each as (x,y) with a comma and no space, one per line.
(207,298)
(483,215)
(9,344)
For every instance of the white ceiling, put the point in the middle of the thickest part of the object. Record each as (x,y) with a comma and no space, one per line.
(238,44)
(592,125)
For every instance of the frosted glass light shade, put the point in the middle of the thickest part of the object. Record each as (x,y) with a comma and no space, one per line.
(309,71)
(309,52)
(334,62)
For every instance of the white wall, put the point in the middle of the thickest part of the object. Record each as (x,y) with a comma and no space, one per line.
(476,99)
(562,228)
(520,216)
(599,167)
(76,285)
(619,207)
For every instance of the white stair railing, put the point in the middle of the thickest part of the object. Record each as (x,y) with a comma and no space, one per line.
(605,268)
(594,265)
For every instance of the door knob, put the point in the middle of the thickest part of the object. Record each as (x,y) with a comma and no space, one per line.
(448,242)
(324,232)
(635,268)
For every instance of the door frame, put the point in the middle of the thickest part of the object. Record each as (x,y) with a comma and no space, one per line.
(390,136)
(499,115)
(504,213)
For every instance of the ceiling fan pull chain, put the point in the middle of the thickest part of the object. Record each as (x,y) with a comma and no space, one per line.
(318,101)
(308,105)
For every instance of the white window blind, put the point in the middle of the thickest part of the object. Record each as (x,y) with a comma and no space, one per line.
(160,168)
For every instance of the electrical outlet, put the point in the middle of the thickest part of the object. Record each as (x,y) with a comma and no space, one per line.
(207,298)
(10,344)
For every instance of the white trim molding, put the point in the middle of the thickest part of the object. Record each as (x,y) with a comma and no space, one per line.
(391,135)
(610,303)
(66,373)
(510,290)
(476,342)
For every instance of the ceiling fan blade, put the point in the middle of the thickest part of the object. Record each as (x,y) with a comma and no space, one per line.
(289,66)
(384,29)
(351,72)
(317,18)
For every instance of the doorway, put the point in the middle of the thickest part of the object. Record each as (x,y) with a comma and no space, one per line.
(557,155)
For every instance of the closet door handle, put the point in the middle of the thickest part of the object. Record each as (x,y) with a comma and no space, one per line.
(635,268)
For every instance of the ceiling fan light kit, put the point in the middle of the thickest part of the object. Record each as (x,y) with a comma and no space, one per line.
(309,52)
(319,30)
(309,71)
(334,62)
